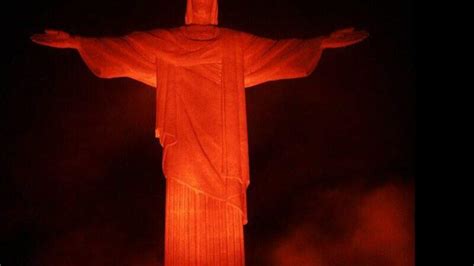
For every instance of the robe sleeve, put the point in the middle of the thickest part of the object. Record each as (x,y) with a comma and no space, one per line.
(131,56)
(267,59)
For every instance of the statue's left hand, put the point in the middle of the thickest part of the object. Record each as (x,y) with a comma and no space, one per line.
(343,38)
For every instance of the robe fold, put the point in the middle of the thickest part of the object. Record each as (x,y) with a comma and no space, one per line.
(201,73)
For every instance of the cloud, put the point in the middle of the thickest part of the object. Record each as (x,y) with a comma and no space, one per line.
(375,229)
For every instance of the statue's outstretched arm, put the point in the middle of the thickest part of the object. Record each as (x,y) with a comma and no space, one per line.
(266,59)
(107,57)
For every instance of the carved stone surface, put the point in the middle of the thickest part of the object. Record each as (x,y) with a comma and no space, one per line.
(201,72)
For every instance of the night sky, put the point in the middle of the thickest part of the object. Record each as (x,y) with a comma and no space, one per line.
(332,156)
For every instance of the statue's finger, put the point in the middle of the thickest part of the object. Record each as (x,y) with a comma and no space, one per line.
(38,40)
(342,32)
(51,31)
(362,35)
(42,39)
(359,35)
(359,38)
(346,30)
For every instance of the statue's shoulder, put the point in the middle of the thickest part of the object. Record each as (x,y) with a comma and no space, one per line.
(161,32)
(231,31)
(235,33)
(170,34)
(158,35)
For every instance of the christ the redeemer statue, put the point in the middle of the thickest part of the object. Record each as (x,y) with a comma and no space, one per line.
(200,72)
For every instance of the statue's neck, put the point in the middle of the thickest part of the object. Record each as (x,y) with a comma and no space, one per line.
(200,32)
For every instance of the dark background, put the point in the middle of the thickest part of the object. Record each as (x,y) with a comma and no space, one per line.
(332,155)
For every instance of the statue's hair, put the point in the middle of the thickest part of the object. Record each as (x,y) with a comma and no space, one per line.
(189,13)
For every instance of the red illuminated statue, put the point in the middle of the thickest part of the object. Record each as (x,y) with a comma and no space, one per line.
(200,72)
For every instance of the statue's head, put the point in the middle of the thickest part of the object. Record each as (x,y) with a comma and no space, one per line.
(202,12)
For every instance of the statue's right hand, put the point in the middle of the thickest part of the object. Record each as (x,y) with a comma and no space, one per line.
(56,39)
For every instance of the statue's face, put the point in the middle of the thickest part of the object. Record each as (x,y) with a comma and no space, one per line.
(202,10)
